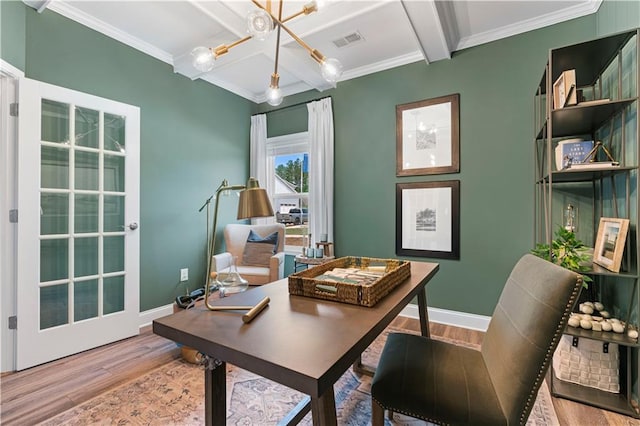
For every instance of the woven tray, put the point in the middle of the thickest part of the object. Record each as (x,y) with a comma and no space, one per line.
(306,283)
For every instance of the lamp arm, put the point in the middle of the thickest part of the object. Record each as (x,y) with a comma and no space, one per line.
(224,186)
(206,203)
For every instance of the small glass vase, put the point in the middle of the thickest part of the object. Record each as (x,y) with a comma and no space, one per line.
(233,282)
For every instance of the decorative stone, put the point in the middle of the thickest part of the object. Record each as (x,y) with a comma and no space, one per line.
(574,322)
(586,309)
(586,324)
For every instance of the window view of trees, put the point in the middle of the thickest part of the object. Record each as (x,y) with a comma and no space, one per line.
(296,172)
(289,174)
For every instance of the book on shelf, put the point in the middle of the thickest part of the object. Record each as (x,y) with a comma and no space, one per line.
(594,102)
(594,165)
(571,151)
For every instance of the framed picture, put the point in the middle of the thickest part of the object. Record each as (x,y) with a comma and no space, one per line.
(428,136)
(612,234)
(564,90)
(428,219)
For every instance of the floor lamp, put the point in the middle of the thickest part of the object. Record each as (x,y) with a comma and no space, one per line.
(254,202)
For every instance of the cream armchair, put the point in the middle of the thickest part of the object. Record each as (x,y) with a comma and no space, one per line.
(262,269)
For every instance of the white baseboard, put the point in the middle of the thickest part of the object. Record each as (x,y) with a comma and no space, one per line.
(441,316)
(146,317)
(444,316)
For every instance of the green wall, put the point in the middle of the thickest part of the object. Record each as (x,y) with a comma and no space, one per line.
(193,135)
(12,32)
(617,16)
(496,83)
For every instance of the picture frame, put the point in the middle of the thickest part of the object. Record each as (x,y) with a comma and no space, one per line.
(565,90)
(428,219)
(609,247)
(428,136)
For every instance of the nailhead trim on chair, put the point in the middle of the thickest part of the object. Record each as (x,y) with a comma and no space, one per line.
(415,416)
(532,396)
(559,331)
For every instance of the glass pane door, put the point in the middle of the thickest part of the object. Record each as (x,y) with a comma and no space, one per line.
(82,205)
(78,264)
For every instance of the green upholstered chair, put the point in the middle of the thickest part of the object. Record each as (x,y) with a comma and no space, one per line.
(497,385)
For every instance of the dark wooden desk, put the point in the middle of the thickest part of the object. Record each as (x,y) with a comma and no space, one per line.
(303,343)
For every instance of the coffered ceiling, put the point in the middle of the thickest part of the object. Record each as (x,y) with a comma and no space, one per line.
(366,36)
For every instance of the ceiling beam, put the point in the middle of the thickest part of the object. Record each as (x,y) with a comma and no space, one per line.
(38,5)
(431,25)
(223,15)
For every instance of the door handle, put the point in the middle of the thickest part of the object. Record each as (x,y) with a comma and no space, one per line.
(133,226)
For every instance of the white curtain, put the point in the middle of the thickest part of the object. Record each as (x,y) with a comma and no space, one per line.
(258,157)
(321,169)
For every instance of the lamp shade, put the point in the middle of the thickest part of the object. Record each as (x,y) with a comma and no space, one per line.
(254,201)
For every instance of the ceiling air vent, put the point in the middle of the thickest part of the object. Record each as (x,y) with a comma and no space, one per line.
(348,40)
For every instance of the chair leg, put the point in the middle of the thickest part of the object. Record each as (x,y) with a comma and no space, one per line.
(377,414)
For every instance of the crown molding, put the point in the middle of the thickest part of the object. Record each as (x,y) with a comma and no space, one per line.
(573,12)
(383,65)
(80,17)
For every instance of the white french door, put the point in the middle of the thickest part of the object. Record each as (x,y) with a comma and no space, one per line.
(78,208)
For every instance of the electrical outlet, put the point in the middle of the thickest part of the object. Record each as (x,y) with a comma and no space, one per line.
(184,274)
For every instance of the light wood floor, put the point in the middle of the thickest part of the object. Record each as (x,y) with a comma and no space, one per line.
(39,393)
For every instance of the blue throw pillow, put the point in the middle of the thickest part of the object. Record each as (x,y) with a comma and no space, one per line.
(258,250)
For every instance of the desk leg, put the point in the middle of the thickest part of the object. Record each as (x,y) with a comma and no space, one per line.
(323,409)
(215,393)
(360,368)
(424,315)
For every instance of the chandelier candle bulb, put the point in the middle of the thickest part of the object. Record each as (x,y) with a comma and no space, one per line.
(259,24)
(203,58)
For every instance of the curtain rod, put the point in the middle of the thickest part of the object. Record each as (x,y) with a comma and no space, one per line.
(291,106)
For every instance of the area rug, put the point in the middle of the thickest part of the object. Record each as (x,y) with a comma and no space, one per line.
(173,394)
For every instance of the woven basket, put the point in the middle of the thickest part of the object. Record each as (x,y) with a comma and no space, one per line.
(304,283)
(588,362)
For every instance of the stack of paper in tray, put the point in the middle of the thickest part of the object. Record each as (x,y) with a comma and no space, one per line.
(353,275)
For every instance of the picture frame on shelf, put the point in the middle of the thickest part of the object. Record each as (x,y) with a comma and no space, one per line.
(428,136)
(609,247)
(428,219)
(565,90)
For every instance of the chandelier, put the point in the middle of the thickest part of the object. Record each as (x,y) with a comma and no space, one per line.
(260,23)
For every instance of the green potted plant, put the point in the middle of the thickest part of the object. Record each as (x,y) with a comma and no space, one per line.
(567,251)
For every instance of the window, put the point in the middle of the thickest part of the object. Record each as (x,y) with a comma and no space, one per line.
(288,176)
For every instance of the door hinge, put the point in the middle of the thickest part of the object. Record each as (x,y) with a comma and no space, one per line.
(13,216)
(13,322)
(13,109)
